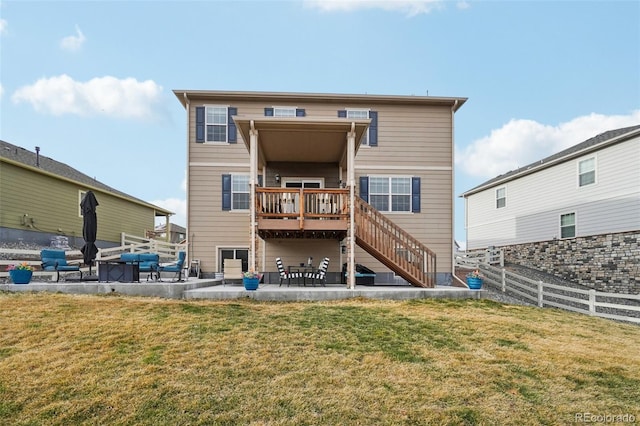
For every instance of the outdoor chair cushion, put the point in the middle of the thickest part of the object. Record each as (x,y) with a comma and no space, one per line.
(147,262)
(55,260)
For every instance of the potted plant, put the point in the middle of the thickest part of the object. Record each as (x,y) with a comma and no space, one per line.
(474,279)
(251,279)
(20,273)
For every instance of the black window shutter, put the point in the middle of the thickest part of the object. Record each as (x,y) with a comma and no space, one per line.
(226,192)
(200,124)
(300,112)
(415,194)
(342,113)
(373,128)
(268,112)
(364,188)
(231,125)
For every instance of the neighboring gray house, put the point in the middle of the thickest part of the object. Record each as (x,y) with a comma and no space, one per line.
(575,213)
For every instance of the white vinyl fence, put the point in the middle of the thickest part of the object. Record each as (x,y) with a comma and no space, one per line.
(617,306)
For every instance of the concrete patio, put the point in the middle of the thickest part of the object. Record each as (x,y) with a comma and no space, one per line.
(214,289)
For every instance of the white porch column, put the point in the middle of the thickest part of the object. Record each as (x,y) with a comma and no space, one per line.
(253,178)
(351,181)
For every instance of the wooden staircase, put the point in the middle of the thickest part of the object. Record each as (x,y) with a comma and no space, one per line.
(393,247)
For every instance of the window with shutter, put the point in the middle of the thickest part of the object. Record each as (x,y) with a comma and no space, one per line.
(391,193)
(215,124)
(371,137)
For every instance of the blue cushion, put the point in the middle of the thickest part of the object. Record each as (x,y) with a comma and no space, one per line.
(130,257)
(56,259)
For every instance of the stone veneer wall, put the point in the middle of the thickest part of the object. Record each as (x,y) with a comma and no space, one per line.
(609,262)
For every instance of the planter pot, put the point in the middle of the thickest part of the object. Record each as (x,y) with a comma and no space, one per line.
(251,283)
(474,283)
(20,276)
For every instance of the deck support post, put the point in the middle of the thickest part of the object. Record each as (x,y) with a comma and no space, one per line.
(253,175)
(351,181)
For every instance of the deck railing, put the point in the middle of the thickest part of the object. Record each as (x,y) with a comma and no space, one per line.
(393,246)
(302,204)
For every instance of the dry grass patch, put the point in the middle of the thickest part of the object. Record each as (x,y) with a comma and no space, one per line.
(121,360)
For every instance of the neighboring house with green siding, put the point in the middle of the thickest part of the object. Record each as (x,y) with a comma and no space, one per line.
(40,202)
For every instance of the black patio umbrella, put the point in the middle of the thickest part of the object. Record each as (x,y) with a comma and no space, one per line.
(89,228)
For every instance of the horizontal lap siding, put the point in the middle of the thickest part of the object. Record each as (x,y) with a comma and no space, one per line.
(412,137)
(535,202)
(54,205)
(209,226)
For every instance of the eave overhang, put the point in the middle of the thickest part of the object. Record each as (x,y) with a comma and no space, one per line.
(184,96)
(301,139)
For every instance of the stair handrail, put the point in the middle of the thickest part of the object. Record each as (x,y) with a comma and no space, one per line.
(393,246)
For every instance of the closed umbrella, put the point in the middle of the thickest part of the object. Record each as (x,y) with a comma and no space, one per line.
(89,228)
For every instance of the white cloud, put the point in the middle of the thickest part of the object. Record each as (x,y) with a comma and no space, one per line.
(463,5)
(410,7)
(176,205)
(73,43)
(108,96)
(1,90)
(3,26)
(521,142)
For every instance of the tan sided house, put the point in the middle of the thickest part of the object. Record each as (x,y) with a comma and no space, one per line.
(40,203)
(358,179)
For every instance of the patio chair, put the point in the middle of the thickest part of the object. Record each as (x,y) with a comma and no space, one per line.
(55,260)
(232,270)
(320,274)
(175,267)
(284,274)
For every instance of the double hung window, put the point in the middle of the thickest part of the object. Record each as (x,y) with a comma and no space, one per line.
(216,124)
(240,192)
(390,194)
(587,172)
(501,197)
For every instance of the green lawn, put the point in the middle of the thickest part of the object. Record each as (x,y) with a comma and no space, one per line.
(68,359)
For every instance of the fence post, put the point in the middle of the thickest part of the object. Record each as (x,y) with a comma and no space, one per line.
(501,257)
(540,294)
(504,280)
(487,256)
(592,302)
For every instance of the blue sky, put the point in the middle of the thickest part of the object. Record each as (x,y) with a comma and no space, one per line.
(90,82)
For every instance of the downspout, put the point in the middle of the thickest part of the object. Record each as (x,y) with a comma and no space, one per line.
(187,105)
(453,193)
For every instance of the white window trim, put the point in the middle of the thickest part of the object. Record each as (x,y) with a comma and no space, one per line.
(595,170)
(410,211)
(235,192)
(496,198)
(575,225)
(226,125)
(367,110)
(276,108)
